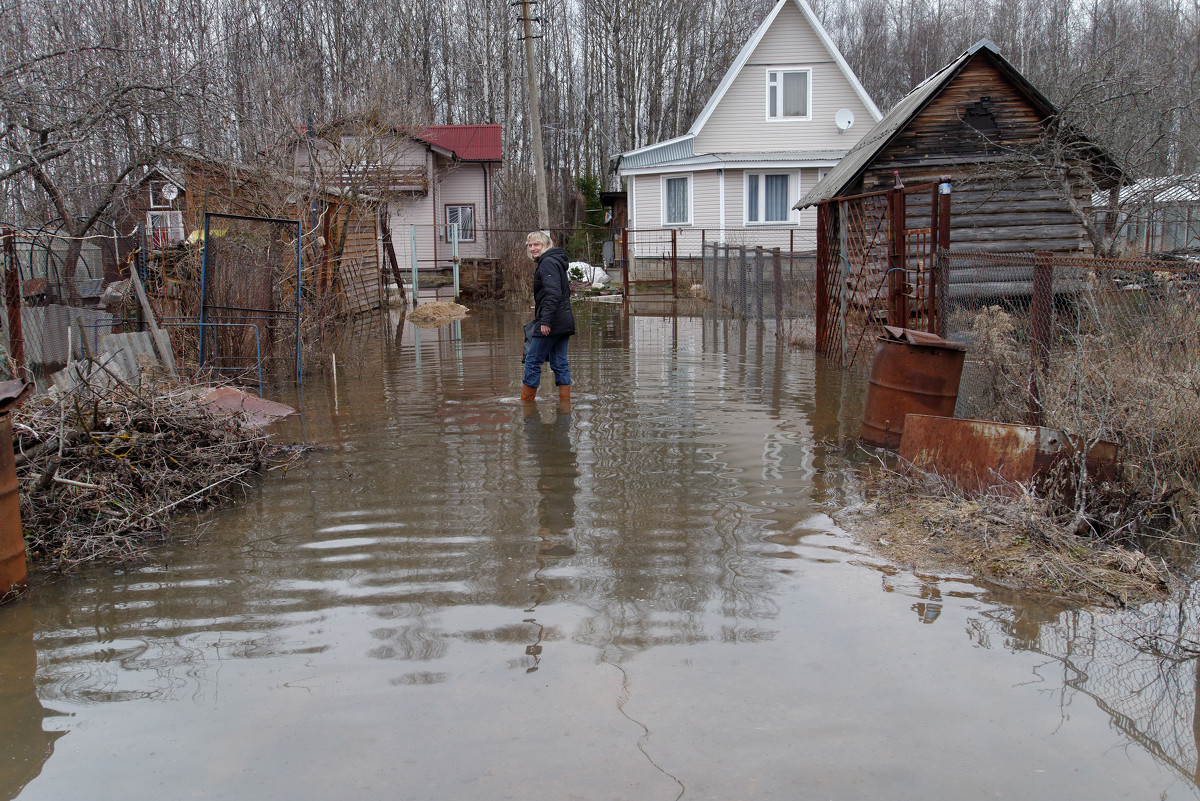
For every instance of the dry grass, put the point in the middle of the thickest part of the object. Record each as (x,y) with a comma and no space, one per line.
(1012,539)
(1124,367)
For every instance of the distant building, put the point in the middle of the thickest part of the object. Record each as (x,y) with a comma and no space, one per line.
(786,111)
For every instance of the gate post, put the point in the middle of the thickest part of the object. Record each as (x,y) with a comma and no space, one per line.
(625,261)
(674,263)
(897,269)
(12,296)
(777,277)
(939,276)
(821,302)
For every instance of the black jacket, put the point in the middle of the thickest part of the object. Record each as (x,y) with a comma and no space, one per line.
(552,293)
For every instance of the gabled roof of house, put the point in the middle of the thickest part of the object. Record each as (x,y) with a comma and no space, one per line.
(748,49)
(466,142)
(849,169)
(681,146)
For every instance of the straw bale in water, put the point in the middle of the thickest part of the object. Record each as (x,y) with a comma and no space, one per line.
(439,312)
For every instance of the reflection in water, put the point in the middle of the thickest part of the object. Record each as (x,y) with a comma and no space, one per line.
(27,746)
(1151,697)
(552,453)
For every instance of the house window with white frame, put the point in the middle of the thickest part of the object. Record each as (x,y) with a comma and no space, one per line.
(677,200)
(769,197)
(789,93)
(464,216)
(166,228)
(163,194)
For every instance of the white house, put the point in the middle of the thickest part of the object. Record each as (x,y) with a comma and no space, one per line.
(786,111)
(430,179)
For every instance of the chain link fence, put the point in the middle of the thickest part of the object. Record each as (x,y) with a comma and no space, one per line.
(1104,349)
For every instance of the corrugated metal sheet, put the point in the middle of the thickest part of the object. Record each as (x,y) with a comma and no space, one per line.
(713,160)
(467,142)
(1165,190)
(671,151)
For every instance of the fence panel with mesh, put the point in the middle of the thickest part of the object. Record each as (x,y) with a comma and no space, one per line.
(1103,348)
(251,295)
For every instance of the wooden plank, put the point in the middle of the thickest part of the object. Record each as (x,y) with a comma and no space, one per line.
(161,340)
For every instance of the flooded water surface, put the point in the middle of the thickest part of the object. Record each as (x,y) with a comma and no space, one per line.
(456,596)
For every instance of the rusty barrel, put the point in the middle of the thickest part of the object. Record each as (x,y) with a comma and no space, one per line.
(913,373)
(13,571)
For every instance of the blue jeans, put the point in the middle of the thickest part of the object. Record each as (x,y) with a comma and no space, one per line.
(551,349)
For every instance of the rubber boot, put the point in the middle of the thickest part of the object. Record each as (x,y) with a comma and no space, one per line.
(528,393)
(564,392)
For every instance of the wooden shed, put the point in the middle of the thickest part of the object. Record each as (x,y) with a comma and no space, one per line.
(168,204)
(976,120)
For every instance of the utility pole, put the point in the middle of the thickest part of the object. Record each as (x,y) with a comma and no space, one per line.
(535,114)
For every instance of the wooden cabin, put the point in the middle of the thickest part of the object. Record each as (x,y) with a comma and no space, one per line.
(163,220)
(976,120)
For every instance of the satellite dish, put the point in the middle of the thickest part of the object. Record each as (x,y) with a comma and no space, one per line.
(843,119)
(169,192)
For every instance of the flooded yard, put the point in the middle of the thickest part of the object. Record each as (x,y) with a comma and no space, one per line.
(456,596)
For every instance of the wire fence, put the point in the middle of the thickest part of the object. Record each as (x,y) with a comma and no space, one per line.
(1057,315)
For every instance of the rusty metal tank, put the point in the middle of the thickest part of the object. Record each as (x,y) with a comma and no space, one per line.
(913,373)
(13,571)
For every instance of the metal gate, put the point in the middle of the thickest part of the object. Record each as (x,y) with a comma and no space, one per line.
(250,294)
(880,261)
(649,262)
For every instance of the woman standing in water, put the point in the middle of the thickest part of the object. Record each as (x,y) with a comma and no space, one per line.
(552,313)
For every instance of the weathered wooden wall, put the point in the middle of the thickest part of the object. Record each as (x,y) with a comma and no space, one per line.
(991,209)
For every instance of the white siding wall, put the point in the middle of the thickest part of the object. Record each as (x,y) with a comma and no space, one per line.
(739,120)
(454,185)
(459,185)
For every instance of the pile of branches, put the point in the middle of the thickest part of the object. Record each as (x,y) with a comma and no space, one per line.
(102,468)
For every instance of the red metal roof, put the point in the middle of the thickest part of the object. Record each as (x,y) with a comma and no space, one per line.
(467,142)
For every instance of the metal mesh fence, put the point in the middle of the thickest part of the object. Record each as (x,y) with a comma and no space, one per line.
(250,291)
(1105,348)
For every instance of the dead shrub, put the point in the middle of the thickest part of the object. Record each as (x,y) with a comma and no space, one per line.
(1124,367)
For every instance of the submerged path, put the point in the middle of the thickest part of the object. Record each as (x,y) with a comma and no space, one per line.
(641,596)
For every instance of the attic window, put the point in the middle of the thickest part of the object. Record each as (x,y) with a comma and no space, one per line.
(788,93)
(982,117)
(163,194)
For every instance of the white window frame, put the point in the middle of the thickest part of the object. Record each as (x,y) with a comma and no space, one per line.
(169,221)
(771,81)
(792,196)
(449,222)
(691,199)
(157,201)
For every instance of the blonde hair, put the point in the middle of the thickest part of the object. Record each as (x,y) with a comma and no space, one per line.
(541,236)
